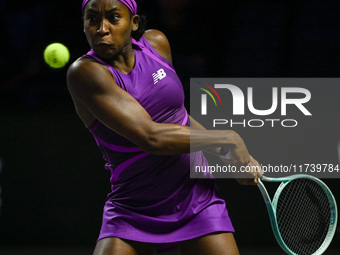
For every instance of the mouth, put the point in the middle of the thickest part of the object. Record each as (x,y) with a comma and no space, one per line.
(102,43)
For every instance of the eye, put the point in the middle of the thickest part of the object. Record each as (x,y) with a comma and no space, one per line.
(92,18)
(114,17)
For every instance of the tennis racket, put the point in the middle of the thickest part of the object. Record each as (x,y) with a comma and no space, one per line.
(303,214)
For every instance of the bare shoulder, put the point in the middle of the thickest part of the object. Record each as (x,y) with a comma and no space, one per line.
(86,75)
(155,37)
(159,42)
(81,70)
(85,79)
(78,72)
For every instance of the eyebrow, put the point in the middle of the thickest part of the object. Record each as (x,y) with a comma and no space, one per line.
(111,10)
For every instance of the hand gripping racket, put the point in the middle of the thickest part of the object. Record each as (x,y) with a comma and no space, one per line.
(303,214)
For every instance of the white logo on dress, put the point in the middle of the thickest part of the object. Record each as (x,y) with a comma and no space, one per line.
(158,76)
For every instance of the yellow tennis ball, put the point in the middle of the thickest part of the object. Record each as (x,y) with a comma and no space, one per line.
(56,55)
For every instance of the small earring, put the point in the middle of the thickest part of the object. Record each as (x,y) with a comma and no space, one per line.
(134,29)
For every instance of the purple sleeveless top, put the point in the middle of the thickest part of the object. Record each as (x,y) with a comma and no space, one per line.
(153,198)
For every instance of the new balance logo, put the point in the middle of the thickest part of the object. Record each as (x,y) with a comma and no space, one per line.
(158,76)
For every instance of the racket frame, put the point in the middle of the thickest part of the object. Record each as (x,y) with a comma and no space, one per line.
(271,208)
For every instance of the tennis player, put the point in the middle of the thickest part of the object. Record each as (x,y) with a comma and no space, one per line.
(127,93)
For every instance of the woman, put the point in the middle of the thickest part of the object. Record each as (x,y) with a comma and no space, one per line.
(127,93)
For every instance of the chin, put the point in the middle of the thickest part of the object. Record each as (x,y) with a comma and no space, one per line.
(105,54)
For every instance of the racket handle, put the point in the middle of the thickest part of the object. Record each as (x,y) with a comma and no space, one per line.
(224,153)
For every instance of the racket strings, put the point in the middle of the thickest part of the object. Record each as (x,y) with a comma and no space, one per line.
(303,216)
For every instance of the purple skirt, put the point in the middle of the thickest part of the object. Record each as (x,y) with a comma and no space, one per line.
(164,205)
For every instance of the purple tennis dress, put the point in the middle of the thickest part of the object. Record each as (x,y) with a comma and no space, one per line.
(153,198)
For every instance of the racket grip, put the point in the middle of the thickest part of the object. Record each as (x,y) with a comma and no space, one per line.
(224,153)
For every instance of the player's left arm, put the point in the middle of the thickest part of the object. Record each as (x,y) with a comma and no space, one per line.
(196,125)
(159,42)
(216,151)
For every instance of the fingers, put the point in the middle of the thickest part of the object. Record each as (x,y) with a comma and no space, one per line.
(255,165)
(254,171)
(238,156)
(251,169)
(238,152)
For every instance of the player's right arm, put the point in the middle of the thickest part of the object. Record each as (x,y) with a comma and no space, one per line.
(97,96)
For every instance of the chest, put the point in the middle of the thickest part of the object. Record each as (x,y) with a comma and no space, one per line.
(156,87)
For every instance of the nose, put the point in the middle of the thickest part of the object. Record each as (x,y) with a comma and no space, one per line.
(103,28)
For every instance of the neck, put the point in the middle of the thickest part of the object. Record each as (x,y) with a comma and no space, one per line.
(125,61)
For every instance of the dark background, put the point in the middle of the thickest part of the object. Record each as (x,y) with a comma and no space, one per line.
(53,179)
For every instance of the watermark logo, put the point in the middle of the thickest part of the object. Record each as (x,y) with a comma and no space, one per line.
(279,119)
(241,102)
(204,97)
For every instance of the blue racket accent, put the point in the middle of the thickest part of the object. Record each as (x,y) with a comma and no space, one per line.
(303,214)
